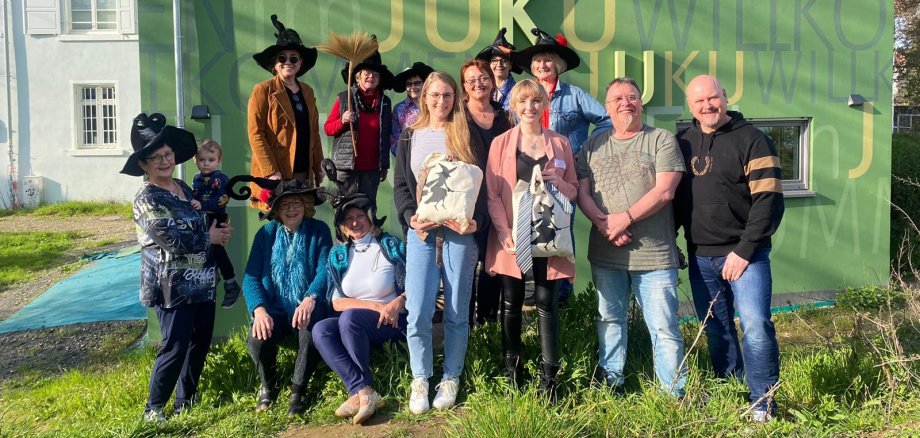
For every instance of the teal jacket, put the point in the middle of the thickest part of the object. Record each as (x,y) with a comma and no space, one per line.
(393,249)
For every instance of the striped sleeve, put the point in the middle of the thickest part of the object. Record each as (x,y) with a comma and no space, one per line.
(765,182)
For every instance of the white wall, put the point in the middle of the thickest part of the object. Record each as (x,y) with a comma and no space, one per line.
(46,69)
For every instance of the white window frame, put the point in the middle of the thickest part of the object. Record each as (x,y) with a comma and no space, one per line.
(791,187)
(93,10)
(78,119)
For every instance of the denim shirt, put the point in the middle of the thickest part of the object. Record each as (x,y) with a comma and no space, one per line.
(572,110)
(503,95)
(176,262)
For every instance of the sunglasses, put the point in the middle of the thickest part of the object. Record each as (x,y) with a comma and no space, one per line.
(293,58)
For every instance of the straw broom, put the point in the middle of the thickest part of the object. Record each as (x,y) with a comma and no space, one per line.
(354,48)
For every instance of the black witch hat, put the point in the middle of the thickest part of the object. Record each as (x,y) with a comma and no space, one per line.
(287,39)
(274,191)
(347,196)
(500,47)
(545,43)
(149,133)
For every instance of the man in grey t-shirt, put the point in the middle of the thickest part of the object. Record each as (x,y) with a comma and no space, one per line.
(627,179)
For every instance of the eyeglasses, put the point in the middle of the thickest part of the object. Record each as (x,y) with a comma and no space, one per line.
(168,157)
(414,84)
(438,96)
(293,58)
(499,61)
(367,73)
(620,100)
(482,80)
(293,205)
(355,218)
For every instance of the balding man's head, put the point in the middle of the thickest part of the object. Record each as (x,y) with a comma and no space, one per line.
(707,102)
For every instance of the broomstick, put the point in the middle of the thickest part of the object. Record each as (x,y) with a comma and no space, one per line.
(354,48)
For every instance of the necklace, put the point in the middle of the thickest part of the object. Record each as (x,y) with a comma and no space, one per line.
(531,140)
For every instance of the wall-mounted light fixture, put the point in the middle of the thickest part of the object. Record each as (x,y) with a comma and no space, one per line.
(855,100)
(201,112)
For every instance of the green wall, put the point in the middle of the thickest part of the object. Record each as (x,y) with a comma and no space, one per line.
(789,59)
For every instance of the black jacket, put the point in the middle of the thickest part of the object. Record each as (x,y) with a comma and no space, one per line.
(405,184)
(731,198)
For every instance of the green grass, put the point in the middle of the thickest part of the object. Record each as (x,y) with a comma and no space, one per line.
(84,208)
(74,208)
(826,390)
(23,256)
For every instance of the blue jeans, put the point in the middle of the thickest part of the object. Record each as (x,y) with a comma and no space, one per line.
(423,277)
(656,292)
(345,342)
(750,295)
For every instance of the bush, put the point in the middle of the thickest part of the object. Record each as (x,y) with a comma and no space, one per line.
(905,197)
(870,298)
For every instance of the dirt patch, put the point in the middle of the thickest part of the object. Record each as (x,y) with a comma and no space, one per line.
(380,426)
(60,349)
(63,348)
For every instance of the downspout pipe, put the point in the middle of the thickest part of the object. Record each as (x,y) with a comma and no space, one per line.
(9,46)
(180,90)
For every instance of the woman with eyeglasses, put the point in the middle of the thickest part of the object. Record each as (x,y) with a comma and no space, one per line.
(498,57)
(283,121)
(436,253)
(177,266)
(361,134)
(285,288)
(487,120)
(406,112)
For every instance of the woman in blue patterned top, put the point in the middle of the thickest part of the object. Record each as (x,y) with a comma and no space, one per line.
(177,267)
(406,112)
(285,286)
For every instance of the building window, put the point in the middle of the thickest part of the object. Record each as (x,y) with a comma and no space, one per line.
(94,15)
(97,124)
(791,138)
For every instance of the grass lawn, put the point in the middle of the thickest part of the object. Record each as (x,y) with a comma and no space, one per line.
(844,372)
(74,208)
(23,256)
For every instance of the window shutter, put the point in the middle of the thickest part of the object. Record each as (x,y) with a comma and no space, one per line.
(127,21)
(41,17)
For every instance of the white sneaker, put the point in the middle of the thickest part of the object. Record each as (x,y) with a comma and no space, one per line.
(447,393)
(418,399)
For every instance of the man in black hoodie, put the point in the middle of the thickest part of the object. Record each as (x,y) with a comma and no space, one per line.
(730,203)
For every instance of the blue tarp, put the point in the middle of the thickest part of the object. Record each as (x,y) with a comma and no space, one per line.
(104,290)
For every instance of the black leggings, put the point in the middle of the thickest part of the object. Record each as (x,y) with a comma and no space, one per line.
(547,312)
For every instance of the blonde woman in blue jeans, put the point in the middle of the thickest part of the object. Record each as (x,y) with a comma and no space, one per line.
(441,127)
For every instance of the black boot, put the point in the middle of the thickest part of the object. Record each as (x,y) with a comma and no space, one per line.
(548,382)
(298,402)
(514,369)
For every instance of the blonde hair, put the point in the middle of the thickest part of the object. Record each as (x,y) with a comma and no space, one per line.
(208,145)
(457,132)
(524,89)
(558,63)
(308,201)
(374,230)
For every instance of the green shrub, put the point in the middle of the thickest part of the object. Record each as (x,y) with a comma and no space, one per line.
(905,167)
(870,298)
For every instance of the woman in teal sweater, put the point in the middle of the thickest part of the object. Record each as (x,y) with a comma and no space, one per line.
(285,288)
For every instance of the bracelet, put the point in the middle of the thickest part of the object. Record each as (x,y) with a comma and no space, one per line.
(631,220)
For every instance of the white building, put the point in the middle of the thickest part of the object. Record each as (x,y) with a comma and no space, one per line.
(72,86)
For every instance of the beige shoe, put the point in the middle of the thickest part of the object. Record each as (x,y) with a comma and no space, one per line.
(368,405)
(348,408)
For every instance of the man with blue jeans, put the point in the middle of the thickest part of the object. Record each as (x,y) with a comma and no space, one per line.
(627,179)
(729,204)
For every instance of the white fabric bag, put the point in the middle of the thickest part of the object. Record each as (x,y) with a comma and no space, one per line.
(447,189)
(550,218)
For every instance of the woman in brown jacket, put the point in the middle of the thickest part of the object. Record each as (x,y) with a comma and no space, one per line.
(283,121)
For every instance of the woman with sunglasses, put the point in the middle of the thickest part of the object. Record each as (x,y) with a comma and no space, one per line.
(361,133)
(436,253)
(283,121)
(487,120)
(405,113)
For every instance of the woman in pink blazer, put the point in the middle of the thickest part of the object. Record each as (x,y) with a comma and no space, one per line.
(512,158)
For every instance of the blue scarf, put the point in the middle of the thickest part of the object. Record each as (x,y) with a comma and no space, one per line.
(289,266)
